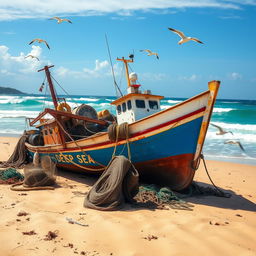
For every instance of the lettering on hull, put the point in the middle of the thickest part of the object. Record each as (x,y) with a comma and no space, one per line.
(68,158)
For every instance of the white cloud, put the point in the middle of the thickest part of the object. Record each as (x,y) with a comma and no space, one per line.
(11,65)
(16,9)
(234,76)
(101,69)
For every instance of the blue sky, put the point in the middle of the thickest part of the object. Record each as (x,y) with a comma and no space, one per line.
(80,56)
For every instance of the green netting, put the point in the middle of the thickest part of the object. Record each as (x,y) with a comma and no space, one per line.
(162,198)
(10,174)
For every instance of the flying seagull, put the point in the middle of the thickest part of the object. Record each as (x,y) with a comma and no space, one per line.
(234,142)
(150,53)
(40,41)
(184,38)
(60,20)
(32,56)
(221,130)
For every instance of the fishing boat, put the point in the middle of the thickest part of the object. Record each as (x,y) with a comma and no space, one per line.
(164,145)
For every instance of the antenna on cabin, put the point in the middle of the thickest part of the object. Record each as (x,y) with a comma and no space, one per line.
(113,74)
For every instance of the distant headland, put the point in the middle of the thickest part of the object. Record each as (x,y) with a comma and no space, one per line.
(8,90)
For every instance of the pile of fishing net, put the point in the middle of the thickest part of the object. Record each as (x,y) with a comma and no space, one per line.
(41,174)
(154,197)
(10,176)
(19,155)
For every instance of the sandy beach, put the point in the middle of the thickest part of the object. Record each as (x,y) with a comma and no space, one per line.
(215,226)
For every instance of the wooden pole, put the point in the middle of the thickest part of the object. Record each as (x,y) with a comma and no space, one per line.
(53,94)
(125,61)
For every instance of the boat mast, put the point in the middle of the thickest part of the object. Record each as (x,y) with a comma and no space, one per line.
(126,61)
(48,75)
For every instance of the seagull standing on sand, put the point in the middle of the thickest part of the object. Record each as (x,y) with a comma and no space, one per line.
(235,142)
(221,130)
(32,56)
(150,53)
(40,41)
(184,38)
(60,20)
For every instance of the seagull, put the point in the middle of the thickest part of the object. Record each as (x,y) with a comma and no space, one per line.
(184,38)
(32,56)
(59,20)
(150,53)
(235,142)
(221,130)
(40,41)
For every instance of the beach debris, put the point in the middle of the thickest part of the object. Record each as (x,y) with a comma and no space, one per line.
(221,130)
(39,40)
(32,57)
(216,223)
(29,233)
(150,237)
(22,194)
(69,245)
(239,215)
(22,213)
(235,142)
(150,53)
(71,221)
(60,20)
(51,235)
(184,38)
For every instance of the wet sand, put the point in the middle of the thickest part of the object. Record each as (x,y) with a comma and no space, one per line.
(35,222)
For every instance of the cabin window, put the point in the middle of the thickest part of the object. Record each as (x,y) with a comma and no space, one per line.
(119,111)
(124,107)
(50,131)
(45,132)
(129,104)
(140,103)
(153,104)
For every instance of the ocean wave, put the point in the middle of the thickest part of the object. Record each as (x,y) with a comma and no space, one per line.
(22,101)
(174,101)
(164,106)
(7,97)
(17,113)
(219,110)
(82,99)
(238,159)
(236,126)
(243,137)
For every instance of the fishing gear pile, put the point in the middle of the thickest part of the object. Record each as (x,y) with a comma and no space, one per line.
(19,155)
(118,184)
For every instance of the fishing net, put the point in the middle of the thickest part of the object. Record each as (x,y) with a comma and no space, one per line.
(19,155)
(10,176)
(154,197)
(41,174)
(117,184)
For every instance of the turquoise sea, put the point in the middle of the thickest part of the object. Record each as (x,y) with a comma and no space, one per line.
(238,116)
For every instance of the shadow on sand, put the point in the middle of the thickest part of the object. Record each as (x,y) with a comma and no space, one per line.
(235,202)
